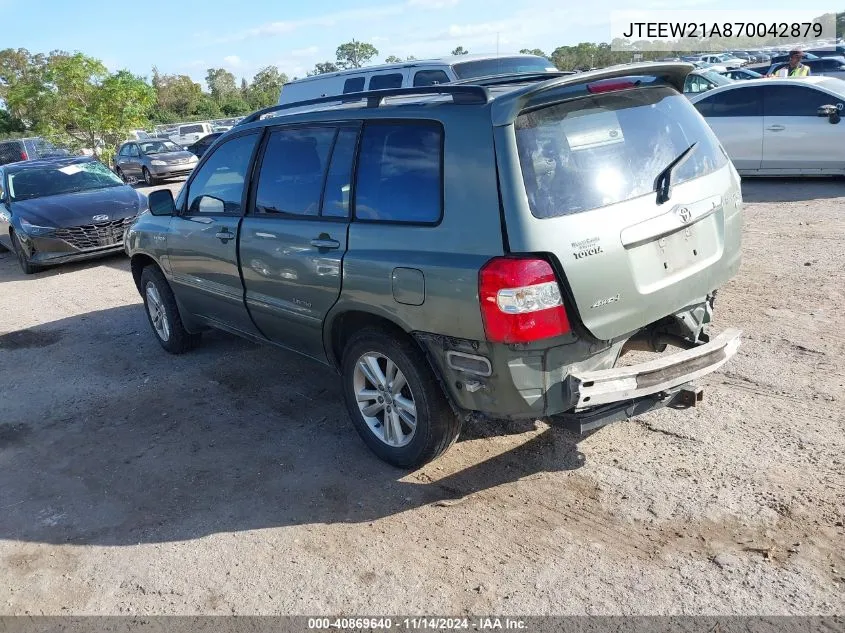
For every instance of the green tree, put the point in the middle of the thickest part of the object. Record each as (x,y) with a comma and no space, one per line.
(9,125)
(87,104)
(322,68)
(392,60)
(221,83)
(355,54)
(532,51)
(460,50)
(235,105)
(265,87)
(23,88)
(207,108)
(177,96)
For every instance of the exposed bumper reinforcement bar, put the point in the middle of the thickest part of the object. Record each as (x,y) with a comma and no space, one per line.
(681,397)
(625,384)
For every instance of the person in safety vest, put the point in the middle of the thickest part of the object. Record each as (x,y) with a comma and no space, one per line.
(795,67)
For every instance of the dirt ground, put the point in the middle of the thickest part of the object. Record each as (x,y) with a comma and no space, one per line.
(231,481)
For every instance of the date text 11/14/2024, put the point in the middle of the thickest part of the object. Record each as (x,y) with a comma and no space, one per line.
(418,624)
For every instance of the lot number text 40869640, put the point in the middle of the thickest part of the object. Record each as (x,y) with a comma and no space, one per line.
(418,623)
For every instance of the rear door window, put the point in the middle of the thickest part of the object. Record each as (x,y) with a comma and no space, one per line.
(292,171)
(190,129)
(382,82)
(399,173)
(430,78)
(603,149)
(353,84)
(741,102)
(796,101)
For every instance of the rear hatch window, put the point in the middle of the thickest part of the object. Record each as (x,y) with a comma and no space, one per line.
(602,149)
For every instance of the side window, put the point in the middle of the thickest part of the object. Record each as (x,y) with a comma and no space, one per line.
(291,177)
(353,84)
(732,103)
(133,150)
(796,101)
(430,78)
(218,186)
(339,179)
(124,151)
(382,82)
(399,173)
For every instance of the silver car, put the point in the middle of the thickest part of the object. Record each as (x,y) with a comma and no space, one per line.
(152,160)
(772,127)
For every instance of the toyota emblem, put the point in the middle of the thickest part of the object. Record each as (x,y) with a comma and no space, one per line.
(684,214)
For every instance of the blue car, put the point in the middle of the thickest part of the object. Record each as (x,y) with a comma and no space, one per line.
(63,209)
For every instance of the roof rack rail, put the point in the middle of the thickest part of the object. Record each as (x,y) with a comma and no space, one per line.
(465,95)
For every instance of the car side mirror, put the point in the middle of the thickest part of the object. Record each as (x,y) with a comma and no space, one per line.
(161,202)
(831,112)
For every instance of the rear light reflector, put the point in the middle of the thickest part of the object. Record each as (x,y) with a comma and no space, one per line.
(521,301)
(609,85)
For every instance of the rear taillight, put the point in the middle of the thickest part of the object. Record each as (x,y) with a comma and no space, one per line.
(521,301)
(23,155)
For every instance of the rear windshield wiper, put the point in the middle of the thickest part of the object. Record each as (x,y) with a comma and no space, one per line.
(663,182)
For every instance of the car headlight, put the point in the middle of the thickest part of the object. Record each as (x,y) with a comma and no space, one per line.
(157,162)
(34,230)
(193,158)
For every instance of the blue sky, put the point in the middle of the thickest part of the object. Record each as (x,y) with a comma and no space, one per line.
(190,37)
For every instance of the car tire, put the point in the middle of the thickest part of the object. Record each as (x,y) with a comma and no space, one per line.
(27,266)
(435,425)
(148,178)
(121,175)
(163,313)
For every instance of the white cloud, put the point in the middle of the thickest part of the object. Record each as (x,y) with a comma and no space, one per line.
(233,61)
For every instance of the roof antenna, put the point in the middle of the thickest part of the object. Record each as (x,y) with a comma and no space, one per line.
(498,63)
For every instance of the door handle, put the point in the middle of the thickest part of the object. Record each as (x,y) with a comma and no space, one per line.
(776,128)
(225,236)
(321,242)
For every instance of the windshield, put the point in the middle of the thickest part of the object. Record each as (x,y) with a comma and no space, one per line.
(40,182)
(159,147)
(502,66)
(599,150)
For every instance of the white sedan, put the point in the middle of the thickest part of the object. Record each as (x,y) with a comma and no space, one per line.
(773,127)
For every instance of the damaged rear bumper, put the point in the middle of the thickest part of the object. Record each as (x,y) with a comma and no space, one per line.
(661,375)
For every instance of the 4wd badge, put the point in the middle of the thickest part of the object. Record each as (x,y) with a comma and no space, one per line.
(604,302)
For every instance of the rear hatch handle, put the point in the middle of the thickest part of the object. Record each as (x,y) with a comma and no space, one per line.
(676,218)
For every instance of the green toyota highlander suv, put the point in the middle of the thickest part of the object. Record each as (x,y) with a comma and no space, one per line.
(492,246)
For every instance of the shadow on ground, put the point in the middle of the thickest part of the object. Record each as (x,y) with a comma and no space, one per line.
(10,269)
(108,440)
(791,189)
